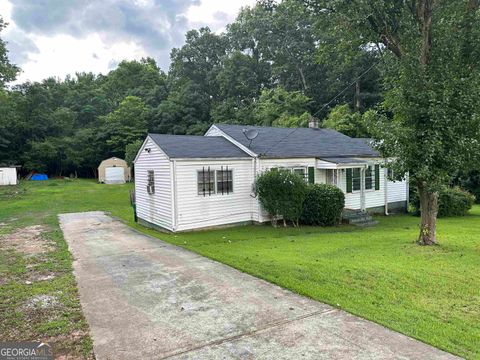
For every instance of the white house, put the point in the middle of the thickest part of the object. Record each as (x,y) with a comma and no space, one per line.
(185,182)
(8,175)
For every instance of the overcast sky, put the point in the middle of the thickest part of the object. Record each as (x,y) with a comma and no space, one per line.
(59,37)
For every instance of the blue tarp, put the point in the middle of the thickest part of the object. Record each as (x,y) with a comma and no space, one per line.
(39,177)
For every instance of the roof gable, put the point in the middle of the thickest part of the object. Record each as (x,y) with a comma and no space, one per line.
(298,142)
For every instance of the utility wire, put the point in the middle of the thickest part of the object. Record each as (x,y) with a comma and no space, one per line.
(324,106)
(346,88)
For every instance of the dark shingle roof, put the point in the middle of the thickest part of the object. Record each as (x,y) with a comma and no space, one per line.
(274,142)
(192,146)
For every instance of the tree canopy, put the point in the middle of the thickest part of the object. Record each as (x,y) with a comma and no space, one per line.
(267,68)
(430,118)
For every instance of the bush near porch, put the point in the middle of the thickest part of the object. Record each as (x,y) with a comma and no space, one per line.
(377,273)
(323,205)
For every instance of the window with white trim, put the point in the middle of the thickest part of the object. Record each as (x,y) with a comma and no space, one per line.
(206,182)
(302,172)
(224,181)
(210,182)
(150,182)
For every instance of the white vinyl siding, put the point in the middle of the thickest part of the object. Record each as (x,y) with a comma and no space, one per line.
(155,208)
(397,191)
(373,198)
(197,211)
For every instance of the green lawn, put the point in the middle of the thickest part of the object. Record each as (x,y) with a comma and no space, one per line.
(430,293)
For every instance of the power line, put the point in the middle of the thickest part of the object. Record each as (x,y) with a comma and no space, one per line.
(324,106)
(346,88)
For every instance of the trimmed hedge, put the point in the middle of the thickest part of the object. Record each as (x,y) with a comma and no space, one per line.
(451,202)
(323,205)
(281,193)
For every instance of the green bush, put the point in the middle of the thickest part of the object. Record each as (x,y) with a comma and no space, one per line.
(451,202)
(281,193)
(323,205)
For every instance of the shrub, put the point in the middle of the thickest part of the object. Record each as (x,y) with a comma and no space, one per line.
(323,205)
(451,202)
(281,193)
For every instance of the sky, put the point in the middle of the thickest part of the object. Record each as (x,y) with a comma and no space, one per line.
(59,37)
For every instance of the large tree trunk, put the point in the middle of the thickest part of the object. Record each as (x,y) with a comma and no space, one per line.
(429,211)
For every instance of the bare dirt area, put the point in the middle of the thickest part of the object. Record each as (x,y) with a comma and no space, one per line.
(38,292)
(27,241)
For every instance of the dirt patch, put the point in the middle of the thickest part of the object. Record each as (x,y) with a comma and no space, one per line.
(35,277)
(69,347)
(42,302)
(27,240)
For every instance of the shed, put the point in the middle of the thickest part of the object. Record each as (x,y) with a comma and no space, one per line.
(8,175)
(114,171)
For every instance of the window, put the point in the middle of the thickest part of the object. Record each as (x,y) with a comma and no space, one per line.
(369,175)
(224,181)
(390,174)
(356,181)
(206,182)
(301,172)
(150,182)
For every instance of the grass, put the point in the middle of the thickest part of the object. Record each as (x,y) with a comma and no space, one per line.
(430,293)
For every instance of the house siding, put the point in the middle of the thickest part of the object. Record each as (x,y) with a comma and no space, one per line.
(154,208)
(198,211)
(397,191)
(373,198)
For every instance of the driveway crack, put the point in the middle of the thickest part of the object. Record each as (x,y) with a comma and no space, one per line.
(249,333)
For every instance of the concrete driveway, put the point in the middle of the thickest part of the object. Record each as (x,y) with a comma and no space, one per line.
(146,299)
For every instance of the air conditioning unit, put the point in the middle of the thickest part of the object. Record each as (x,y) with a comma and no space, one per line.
(151,189)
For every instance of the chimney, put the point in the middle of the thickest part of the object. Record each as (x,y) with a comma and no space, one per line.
(313,123)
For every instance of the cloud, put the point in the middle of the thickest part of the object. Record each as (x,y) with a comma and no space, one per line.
(20,47)
(102,33)
(154,24)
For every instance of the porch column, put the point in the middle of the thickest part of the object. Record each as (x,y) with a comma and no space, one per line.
(362,189)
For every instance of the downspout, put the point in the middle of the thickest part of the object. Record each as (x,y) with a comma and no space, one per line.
(385,179)
(175,207)
(407,178)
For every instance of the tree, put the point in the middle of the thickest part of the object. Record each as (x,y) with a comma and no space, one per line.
(341,118)
(279,107)
(141,78)
(185,111)
(125,125)
(430,52)
(131,151)
(8,71)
